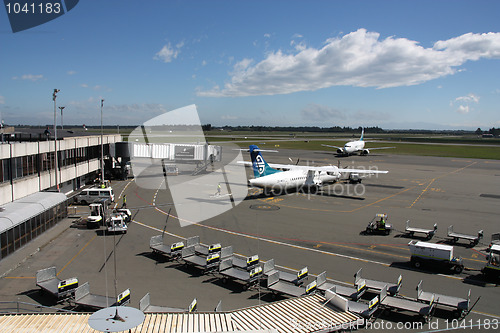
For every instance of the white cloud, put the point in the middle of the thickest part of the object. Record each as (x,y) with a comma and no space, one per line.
(464,103)
(96,87)
(169,53)
(315,112)
(469,98)
(358,59)
(29,77)
(463,109)
(2,100)
(71,72)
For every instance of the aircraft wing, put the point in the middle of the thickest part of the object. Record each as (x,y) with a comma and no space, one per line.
(361,171)
(326,168)
(333,146)
(380,148)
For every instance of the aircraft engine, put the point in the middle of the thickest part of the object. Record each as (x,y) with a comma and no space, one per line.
(365,152)
(340,151)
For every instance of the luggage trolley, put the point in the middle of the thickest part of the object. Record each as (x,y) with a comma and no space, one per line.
(429,233)
(392,288)
(172,251)
(278,286)
(298,278)
(85,299)
(48,281)
(455,236)
(350,292)
(249,276)
(146,307)
(402,304)
(460,305)
(364,310)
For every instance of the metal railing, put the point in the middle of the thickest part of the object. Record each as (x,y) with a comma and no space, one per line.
(25,307)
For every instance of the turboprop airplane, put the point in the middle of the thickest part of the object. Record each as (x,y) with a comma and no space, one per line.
(269,178)
(353,147)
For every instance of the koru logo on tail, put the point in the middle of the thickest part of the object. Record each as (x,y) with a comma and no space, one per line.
(260,164)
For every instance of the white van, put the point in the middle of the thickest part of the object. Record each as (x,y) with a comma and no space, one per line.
(94,194)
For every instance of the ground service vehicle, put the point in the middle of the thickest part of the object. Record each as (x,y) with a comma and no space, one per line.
(98,214)
(492,267)
(438,255)
(91,195)
(117,224)
(379,225)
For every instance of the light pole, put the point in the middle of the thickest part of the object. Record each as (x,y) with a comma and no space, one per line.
(102,146)
(62,124)
(54,96)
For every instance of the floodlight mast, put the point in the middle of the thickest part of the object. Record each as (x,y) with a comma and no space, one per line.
(102,146)
(54,96)
(62,123)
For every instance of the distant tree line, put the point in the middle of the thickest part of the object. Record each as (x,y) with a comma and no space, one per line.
(493,131)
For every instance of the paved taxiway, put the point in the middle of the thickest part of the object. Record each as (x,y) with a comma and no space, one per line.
(322,231)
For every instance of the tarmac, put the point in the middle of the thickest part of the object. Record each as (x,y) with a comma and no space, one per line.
(323,231)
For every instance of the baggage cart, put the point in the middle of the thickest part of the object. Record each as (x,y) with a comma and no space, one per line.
(281,287)
(84,299)
(456,236)
(429,233)
(172,251)
(298,278)
(423,310)
(459,305)
(48,281)
(146,307)
(247,277)
(364,310)
(350,292)
(392,288)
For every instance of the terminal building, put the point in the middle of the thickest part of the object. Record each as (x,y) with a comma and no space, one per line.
(33,192)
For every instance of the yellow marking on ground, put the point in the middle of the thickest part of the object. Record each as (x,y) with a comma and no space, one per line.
(474,255)
(372,247)
(76,255)
(434,179)
(317,246)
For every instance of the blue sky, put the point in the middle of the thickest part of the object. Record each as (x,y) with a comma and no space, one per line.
(393,64)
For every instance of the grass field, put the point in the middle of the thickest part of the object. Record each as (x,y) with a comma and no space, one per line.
(467,146)
(427,148)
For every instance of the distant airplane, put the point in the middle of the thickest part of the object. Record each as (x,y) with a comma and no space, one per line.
(269,178)
(353,147)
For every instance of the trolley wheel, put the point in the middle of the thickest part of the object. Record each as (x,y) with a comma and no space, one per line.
(458,269)
(417,264)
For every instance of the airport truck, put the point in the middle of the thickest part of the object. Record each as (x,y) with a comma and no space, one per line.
(437,255)
(492,267)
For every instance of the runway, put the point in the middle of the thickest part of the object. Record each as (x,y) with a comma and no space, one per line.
(322,231)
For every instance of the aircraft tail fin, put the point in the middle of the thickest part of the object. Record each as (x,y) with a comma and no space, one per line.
(259,165)
(362,134)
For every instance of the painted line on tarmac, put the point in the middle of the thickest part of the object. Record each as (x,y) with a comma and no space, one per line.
(434,179)
(76,255)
